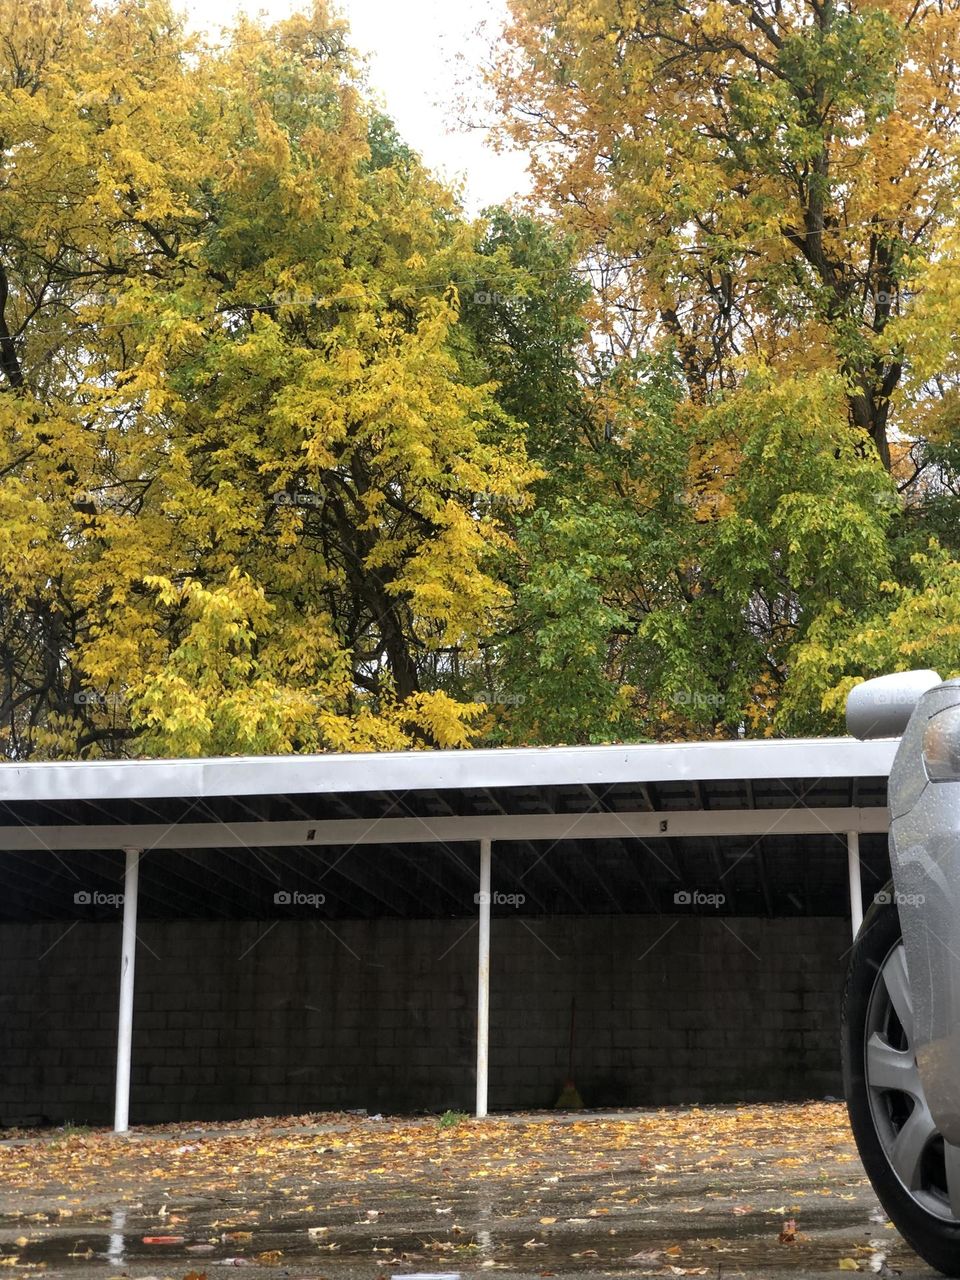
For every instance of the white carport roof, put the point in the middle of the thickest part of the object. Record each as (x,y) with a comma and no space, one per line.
(546,793)
(419,770)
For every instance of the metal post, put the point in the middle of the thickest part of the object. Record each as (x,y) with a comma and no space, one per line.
(128,951)
(483,979)
(856,890)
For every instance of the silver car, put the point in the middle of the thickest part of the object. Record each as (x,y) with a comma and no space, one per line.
(901,1012)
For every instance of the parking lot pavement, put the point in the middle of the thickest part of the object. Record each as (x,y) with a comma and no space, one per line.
(754,1191)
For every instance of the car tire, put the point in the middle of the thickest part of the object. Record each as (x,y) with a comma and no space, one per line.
(907,1170)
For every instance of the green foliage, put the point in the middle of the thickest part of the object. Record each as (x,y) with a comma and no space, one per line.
(452,1119)
(916,624)
(672,604)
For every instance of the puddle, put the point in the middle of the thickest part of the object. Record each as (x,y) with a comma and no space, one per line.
(748,1245)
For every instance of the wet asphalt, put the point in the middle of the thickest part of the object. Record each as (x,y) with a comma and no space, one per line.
(674,1219)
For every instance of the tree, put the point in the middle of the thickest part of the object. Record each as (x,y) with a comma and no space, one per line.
(671,601)
(766,199)
(916,624)
(753,179)
(677,553)
(249,480)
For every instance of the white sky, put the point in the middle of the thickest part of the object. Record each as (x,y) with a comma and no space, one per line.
(419,53)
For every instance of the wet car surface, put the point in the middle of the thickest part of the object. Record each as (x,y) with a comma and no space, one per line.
(721,1191)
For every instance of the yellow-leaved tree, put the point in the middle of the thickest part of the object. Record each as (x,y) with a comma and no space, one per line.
(756,180)
(250,486)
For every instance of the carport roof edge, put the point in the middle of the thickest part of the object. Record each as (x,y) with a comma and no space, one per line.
(407,771)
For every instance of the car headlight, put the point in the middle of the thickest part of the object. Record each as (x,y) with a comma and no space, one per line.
(941,746)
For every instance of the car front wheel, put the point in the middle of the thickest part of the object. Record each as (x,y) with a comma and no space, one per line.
(915,1174)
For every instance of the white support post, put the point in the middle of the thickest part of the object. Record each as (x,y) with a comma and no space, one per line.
(128,953)
(856,889)
(483,979)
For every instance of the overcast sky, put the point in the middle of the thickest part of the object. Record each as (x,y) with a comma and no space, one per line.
(419,52)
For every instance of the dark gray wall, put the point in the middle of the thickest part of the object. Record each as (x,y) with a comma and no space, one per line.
(236,1019)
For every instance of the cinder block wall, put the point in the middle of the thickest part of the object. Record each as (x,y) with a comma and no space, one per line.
(242,1018)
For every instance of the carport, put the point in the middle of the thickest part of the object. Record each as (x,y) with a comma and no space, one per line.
(786,827)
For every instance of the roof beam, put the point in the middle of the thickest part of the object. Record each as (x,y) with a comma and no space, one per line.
(796,820)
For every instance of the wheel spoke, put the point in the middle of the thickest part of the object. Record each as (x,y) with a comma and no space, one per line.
(889,1068)
(898,989)
(910,1143)
(951,1156)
